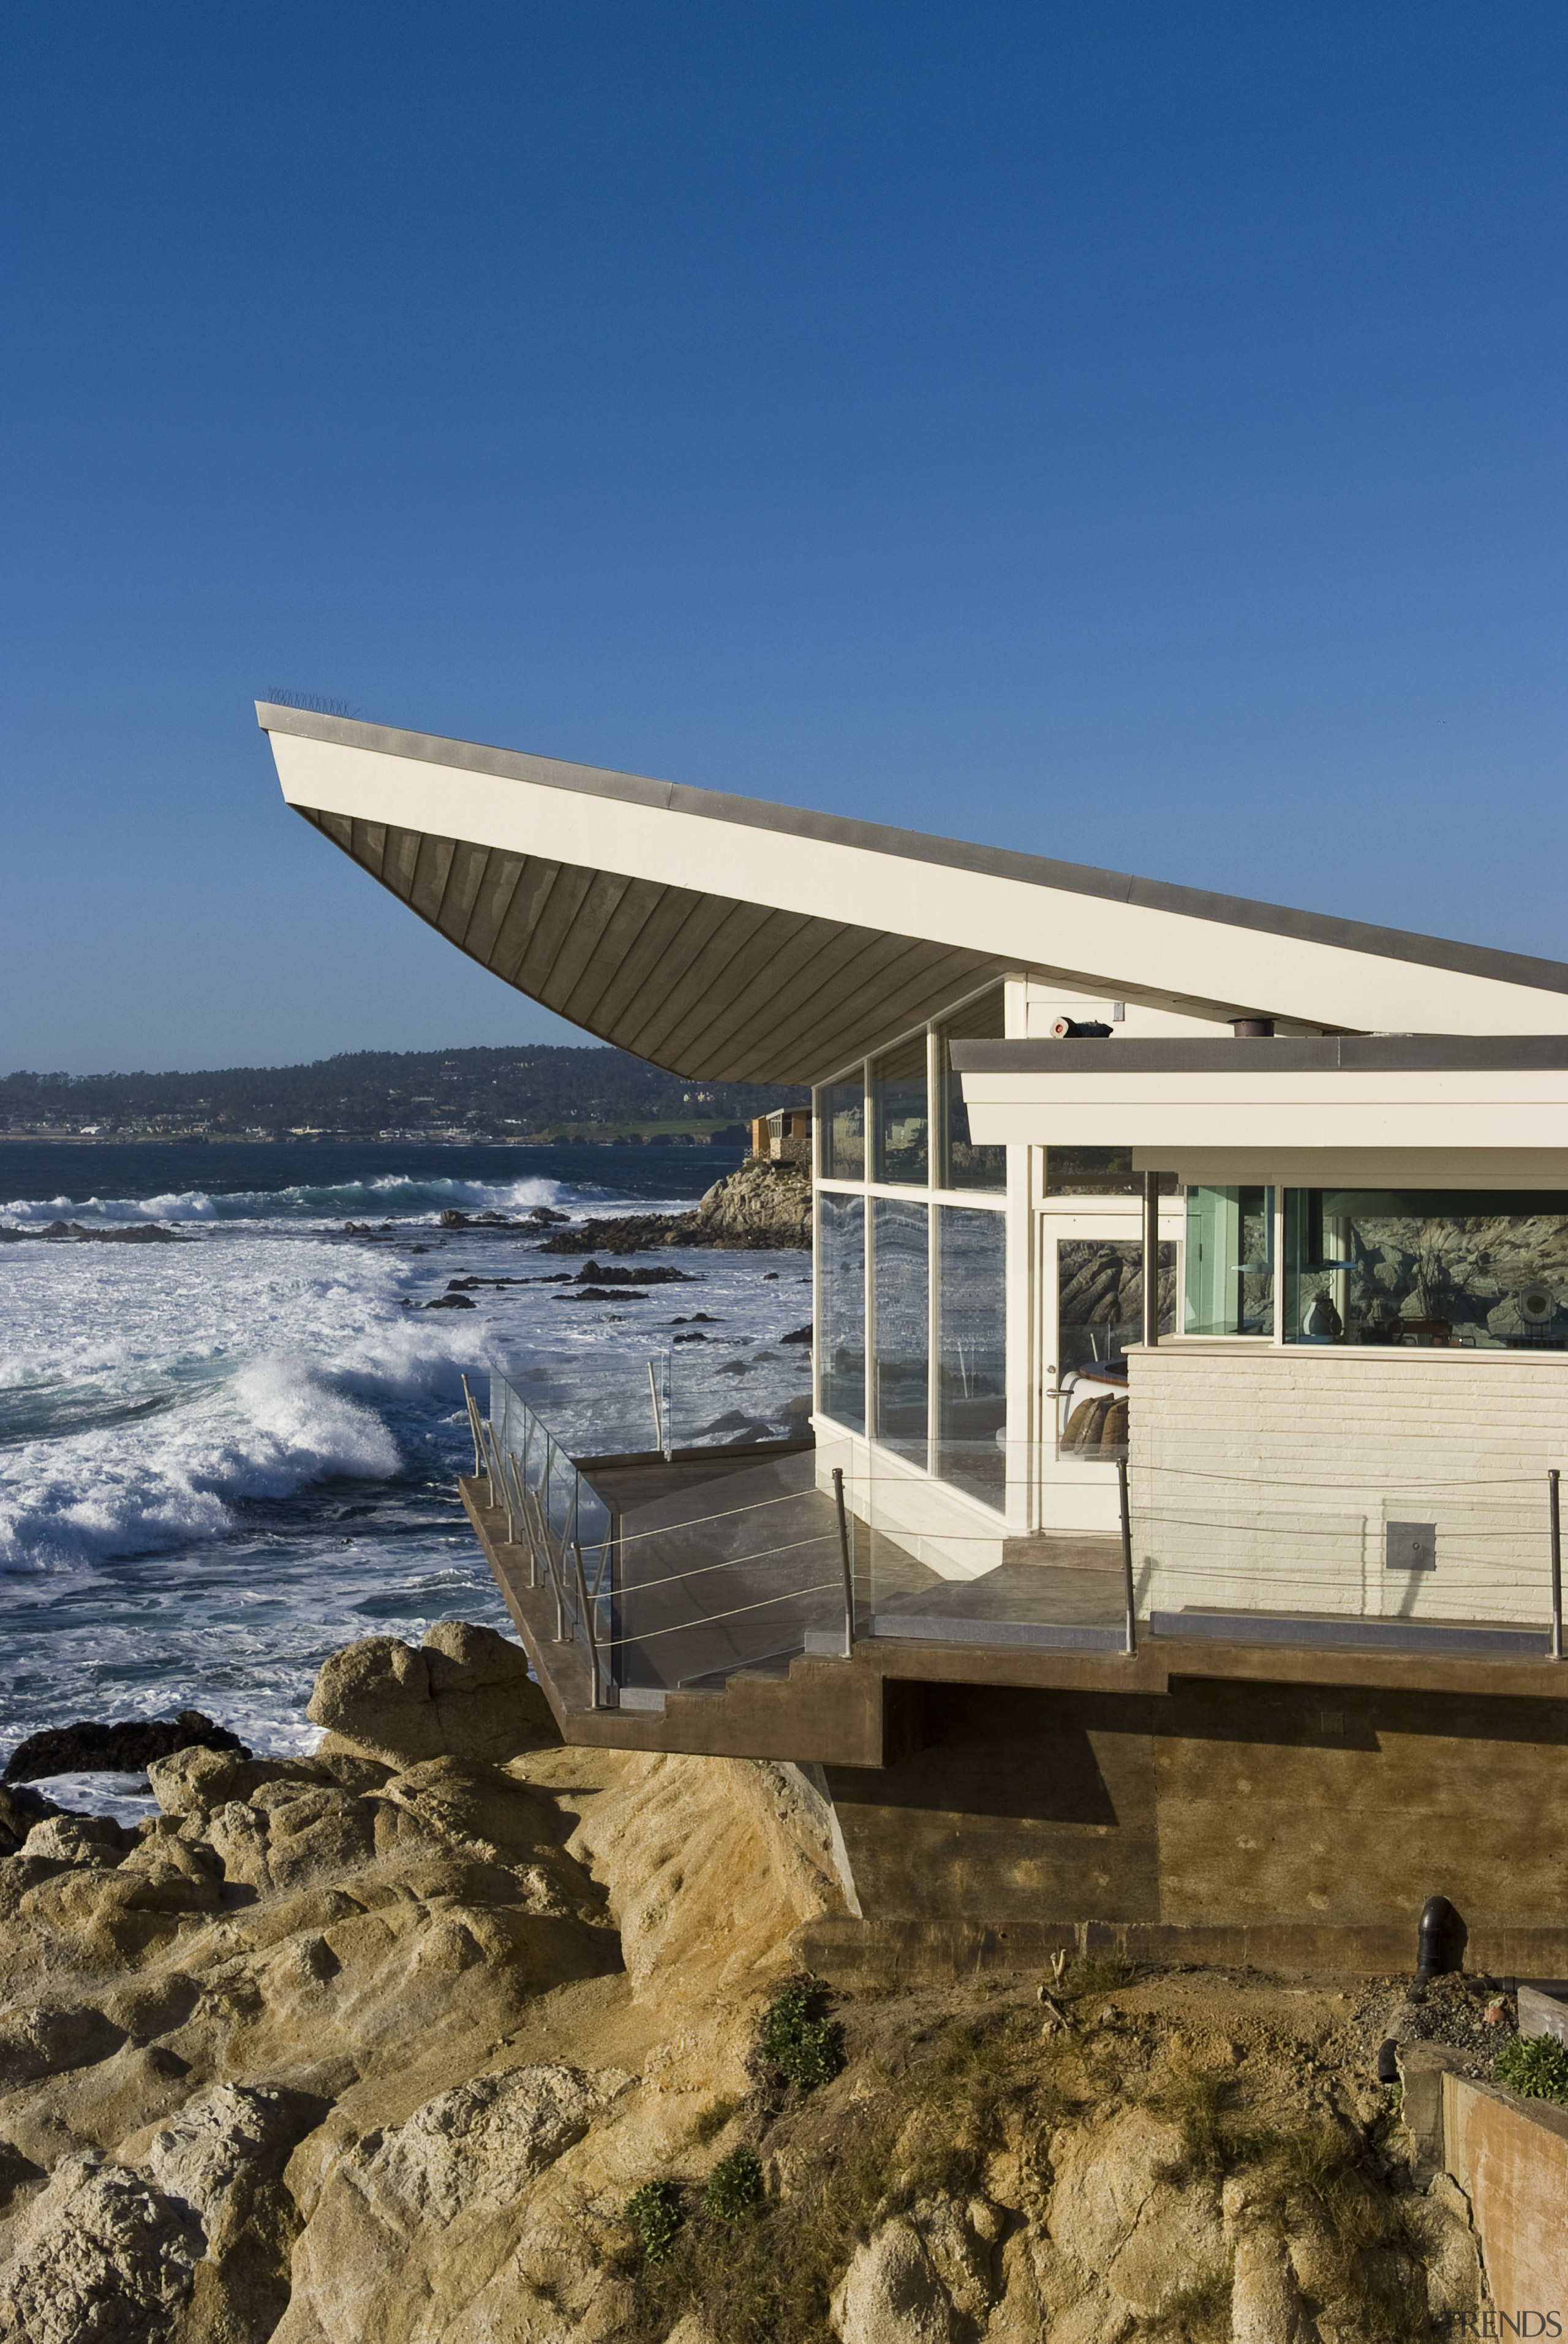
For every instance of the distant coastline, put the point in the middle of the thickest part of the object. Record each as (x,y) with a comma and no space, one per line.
(526,1095)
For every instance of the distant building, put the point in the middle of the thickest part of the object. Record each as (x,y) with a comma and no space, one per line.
(784,1136)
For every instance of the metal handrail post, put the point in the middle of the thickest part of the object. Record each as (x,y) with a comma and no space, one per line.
(492,1469)
(658,1414)
(498,1481)
(561,1636)
(844,1557)
(1554,1500)
(515,1483)
(539,1539)
(524,1493)
(591,1640)
(472,1406)
(1128,1592)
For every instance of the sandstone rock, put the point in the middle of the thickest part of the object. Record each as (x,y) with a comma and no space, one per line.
(1441,2224)
(892,2294)
(1117,2214)
(101,2255)
(1266,2305)
(49,2037)
(81,1839)
(466,1695)
(469,2148)
(224,2156)
(20,1809)
(375,2257)
(706,1879)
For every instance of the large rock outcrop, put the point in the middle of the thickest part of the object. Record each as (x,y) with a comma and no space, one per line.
(378,2043)
(760,1205)
(465,1693)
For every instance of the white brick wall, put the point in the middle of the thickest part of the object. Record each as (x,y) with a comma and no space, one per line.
(1263,1478)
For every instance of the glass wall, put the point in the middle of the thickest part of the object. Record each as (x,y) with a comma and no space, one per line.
(841,1120)
(900,1116)
(842,1308)
(1483,1270)
(962,1164)
(1100,1299)
(900,1344)
(928,1379)
(1230,1262)
(1098,1172)
(971,1351)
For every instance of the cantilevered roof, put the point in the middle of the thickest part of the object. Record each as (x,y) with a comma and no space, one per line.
(728,939)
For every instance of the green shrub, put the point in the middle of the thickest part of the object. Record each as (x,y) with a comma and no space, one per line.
(1537,2065)
(654,2214)
(734,2186)
(802,2046)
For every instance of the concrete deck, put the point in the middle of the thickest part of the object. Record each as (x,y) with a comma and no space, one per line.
(735,1696)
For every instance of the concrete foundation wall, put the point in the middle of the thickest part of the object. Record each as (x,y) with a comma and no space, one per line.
(1218,1806)
(1509,2156)
(1262,1479)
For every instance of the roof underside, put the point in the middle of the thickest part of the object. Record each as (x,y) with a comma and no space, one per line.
(708,986)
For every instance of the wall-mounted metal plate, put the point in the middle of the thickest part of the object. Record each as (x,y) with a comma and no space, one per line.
(1411,1546)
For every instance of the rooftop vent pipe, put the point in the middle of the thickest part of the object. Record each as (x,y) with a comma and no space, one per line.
(1252,1029)
(1073,1029)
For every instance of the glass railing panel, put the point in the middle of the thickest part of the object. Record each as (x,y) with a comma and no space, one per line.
(968,1557)
(727,1396)
(740,1569)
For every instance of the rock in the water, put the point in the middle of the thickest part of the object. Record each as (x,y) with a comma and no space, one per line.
(762,1205)
(126,1748)
(136,1233)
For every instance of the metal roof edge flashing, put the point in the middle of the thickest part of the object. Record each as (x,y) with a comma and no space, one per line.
(1333,1052)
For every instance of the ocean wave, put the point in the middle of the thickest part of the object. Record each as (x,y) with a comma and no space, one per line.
(275,1427)
(345,1200)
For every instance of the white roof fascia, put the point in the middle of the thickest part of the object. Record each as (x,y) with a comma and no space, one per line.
(1103,1096)
(775,858)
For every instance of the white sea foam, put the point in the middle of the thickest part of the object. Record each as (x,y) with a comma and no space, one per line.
(333,1202)
(221,1460)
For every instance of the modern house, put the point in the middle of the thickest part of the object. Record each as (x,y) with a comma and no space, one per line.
(1191,1332)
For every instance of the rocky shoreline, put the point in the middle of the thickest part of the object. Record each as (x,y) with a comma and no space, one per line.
(448,2034)
(73,1233)
(761,1206)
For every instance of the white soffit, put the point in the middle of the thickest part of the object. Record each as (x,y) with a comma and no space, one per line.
(726,938)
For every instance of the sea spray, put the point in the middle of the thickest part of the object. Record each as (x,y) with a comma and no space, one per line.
(219,1461)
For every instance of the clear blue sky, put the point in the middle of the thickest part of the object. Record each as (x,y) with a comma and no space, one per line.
(1132,433)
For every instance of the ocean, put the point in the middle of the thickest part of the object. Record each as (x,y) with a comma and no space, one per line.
(222,1459)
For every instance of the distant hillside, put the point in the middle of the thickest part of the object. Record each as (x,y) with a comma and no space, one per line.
(501,1094)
